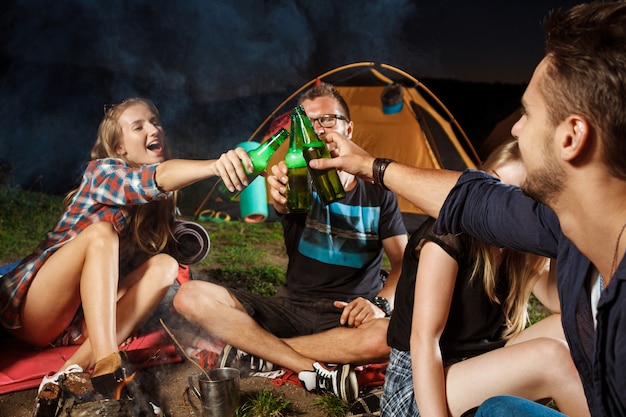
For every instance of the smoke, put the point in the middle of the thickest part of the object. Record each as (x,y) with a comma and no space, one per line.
(215,69)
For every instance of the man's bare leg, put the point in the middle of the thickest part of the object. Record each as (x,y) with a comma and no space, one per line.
(219,313)
(360,345)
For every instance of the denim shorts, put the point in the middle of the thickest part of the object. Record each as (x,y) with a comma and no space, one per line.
(287,316)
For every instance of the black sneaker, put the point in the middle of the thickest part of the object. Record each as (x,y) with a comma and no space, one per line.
(248,365)
(337,379)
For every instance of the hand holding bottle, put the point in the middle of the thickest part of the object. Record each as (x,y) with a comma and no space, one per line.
(327,182)
(231,167)
(257,162)
(277,182)
(298,192)
(346,156)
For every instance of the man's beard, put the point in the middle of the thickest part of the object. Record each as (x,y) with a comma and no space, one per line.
(546,183)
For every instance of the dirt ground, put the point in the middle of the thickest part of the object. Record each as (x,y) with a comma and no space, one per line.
(168,386)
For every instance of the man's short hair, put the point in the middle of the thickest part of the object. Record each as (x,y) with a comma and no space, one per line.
(325,90)
(586,73)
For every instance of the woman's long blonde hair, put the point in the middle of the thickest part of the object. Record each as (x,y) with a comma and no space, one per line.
(150,224)
(520,268)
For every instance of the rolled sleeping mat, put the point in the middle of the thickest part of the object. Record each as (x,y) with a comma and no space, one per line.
(253,199)
(190,242)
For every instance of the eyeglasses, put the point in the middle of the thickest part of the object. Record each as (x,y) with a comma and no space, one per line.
(328,120)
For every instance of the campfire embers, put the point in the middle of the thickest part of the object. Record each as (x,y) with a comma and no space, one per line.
(75,396)
(122,385)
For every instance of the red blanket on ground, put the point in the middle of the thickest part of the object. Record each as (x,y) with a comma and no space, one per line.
(23,367)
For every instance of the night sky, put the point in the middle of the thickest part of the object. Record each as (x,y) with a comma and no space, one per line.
(215,69)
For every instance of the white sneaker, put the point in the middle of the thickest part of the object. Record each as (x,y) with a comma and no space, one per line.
(54,377)
(337,379)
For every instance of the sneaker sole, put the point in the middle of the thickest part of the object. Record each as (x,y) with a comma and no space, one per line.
(349,389)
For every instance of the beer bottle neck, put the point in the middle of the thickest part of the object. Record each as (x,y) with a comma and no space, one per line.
(261,155)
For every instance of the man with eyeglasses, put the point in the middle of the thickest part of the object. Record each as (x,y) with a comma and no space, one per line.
(328,121)
(334,306)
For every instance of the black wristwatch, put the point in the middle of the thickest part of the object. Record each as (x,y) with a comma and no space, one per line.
(383,304)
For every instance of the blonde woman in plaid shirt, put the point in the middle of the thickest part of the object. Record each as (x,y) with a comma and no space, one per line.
(101,271)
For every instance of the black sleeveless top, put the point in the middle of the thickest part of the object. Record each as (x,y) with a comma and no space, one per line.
(475,324)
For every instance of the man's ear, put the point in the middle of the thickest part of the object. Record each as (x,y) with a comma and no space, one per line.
(349,129)
(574,139)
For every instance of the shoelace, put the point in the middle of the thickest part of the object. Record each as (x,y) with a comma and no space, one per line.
(322,371)
(257,364)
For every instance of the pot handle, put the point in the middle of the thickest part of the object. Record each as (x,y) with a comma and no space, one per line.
(192,386)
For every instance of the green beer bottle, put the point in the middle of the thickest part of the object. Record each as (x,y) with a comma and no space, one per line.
(259,156)
(299,186)
(326,182)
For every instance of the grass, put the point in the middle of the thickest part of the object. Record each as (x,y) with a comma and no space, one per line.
(537,311)
(265,404)
(25,217)
(247,255)
(332,405)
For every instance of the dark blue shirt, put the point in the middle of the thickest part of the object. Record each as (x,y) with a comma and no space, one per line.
(503,216)
(336,251)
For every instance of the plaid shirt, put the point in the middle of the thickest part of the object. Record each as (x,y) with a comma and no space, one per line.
(107,189)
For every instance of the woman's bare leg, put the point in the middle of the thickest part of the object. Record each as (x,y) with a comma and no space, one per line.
(534,369)
(139,295)
(85,269)
(141,292)
(550,326)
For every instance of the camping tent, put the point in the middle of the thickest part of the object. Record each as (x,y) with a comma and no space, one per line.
(422,133)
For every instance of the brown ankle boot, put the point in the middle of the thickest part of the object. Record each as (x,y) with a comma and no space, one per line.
(109,373)
(107,364)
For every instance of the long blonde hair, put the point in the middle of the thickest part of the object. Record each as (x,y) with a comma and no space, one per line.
(150,224)
(522,269)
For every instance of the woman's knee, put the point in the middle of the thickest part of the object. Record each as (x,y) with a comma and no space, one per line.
(100,232)
(557,358)
(101,238)
(164,267)
(557,351)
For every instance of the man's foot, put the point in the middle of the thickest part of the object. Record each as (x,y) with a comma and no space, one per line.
(337,379)
(248,365)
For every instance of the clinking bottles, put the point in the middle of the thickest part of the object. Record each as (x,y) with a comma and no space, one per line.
(299,186)
(326,182)
(259,156)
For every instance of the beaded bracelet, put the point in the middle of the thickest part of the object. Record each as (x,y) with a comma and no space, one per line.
(378,171)
(383,304)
